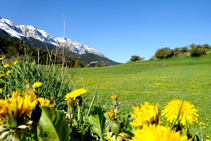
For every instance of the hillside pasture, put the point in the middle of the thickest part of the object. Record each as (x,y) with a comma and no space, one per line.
(157,81)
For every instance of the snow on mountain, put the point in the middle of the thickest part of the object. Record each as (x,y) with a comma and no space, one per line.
(9,27)
(77,47)
(30,31)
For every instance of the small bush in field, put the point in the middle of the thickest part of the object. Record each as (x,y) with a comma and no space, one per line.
(183,49)
(197,51)
(164,53)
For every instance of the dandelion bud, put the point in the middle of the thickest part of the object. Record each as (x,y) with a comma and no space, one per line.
(53,98)
(116,128)
(110,113)
(114,96)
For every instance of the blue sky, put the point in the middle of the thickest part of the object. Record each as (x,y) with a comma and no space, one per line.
(117,28)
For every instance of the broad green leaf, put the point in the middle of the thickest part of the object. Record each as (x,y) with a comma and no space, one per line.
(52,126)
(97,119)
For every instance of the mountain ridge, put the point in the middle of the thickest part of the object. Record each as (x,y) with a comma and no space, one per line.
(84,58)
(29,31)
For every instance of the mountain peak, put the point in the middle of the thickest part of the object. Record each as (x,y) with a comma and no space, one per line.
(27,31)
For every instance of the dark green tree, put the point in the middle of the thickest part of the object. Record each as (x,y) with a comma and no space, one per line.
(136,58)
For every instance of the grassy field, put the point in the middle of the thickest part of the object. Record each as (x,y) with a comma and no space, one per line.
(157,81)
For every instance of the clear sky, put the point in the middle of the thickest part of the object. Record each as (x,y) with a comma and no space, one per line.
(117,28)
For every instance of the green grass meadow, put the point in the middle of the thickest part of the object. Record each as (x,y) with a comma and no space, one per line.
(157,81)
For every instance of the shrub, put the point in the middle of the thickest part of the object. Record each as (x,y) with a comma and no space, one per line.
(183,49)
(99,65)
(206,46)
(197,52)
(164,53)
(176,51)
(136,58)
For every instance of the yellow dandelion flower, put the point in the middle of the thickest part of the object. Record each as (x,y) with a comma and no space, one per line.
(36,85)
(188,112)
(33,63)
(148,114)
(17,106)
(6,65)
(114,96)
(26,62)
(8,72)
(75,94)
(158,133)
(110,113)
(16,62)
(2,75)
(45,102)
(30,92)
(1,90)
(1,58)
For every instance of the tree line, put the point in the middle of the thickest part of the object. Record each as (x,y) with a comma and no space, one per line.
(162,53)
(193,50)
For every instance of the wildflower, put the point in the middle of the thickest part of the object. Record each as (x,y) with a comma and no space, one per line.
(32,63)
(75,93)
(30,92)
(2,75)
(111,113)
(16,62)
(114,96)
(8,72)
(158,133)
(149,114)
(26,62)
(1,90)
(1,58)
(36,85)
(188,112)
(17,106)
(45,102)
(27,81)
(6,65)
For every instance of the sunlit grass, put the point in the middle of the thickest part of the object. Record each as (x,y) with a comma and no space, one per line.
(156,81)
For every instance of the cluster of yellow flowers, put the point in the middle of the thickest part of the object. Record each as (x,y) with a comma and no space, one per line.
(7,66)
(146,120)
(21,104)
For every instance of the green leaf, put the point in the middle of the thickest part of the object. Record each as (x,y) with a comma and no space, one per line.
(52,126)
(97,119)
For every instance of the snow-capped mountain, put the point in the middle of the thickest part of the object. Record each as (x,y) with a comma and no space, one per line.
(19,31)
